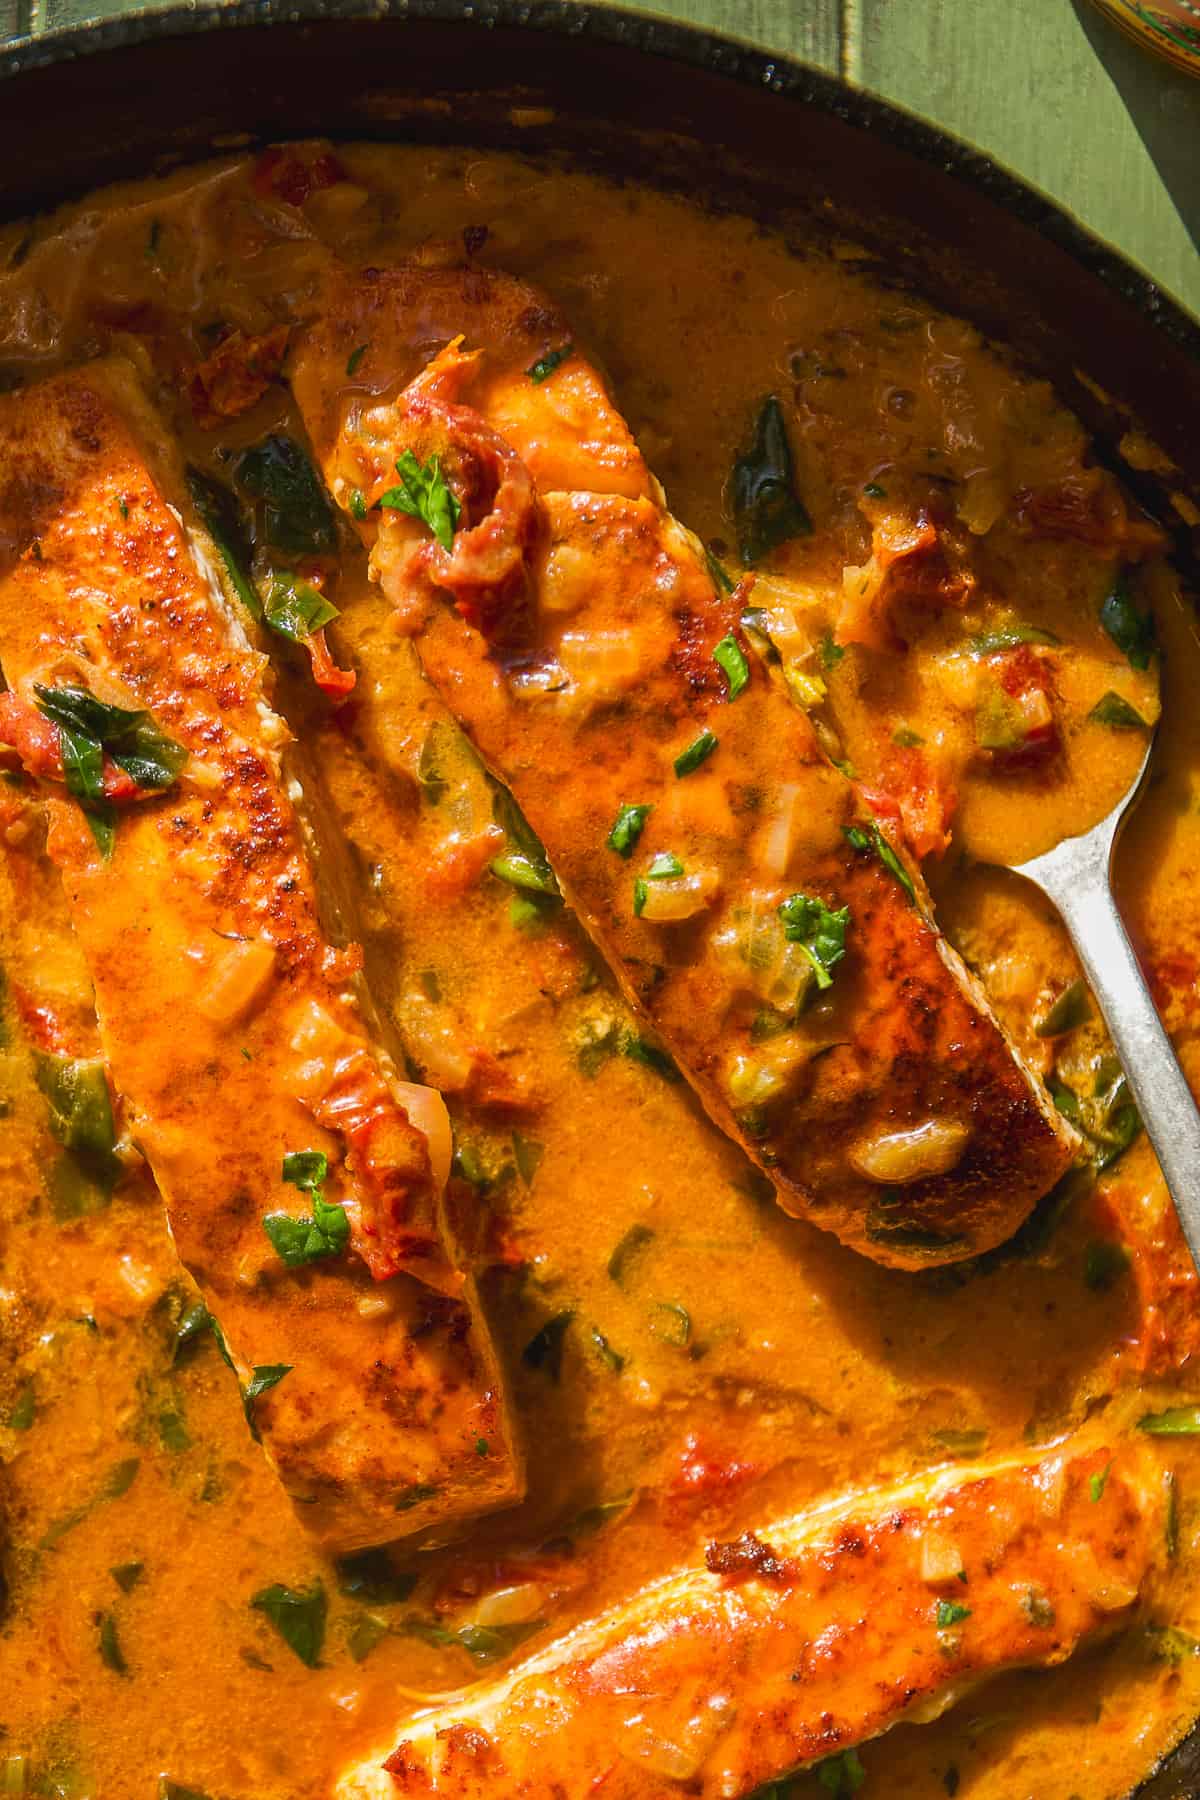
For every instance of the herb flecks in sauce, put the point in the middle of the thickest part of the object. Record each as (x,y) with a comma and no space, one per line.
(766,508)
(297,1241)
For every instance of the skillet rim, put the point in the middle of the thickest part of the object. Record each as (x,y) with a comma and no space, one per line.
(610,23)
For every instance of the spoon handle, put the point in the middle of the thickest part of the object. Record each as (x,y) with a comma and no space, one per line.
(1164,1099)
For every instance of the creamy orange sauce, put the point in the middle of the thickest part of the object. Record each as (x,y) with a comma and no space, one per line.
(721,1363)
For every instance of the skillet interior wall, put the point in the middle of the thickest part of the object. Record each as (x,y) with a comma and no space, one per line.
(1013,264)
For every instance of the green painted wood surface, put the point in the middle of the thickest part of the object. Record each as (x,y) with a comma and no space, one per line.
(1047,86)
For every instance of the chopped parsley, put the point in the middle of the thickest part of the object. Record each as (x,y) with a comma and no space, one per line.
(222,519)
(767,511)
(81,1115)
(482,1165)
(842,1775)
(365,1632)
(306,1240)
(527,1154)
(1131,631)
(368,1575)
(1105,1261)
(664,866)
(961,1443)
(1171,1526)
(1010,637)
(24,1409)
(830,653)
(546,365)
(641,1050)
(873,491)
(820,933)
(413,1496)
(482,1642)
(355,358)
(544,1350)
(612,1359)
(717,573)
(297,519)
(358,504)
(730,658)
(697,752)
(524,864)
(1098,1482)
(295,608)
(116,1484)
(1176,1421)
(424,494)
(1107,1117)
(520,871)
(307,1170)
(111,1654)
(867,838)
(627,828)
(262,1379)
(1071,1009)
(631,1245)
(1168,1644)
(298,1615)
(950,1613)
(1114,710)
(90,729)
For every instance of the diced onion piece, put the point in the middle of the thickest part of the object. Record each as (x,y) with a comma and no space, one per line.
(1034,707)
(317,1033)
(435,1044)
(139,1279)
(602,664)
(1112,1596)
(1052,1485)
(757,1078)
(568,580)
(680,1754)
(941,1559)
(758,957)
(373,1306)
(203,775)
(427,1111)
(983,500)
(680,897)
(780,838)
(239,976)
(806,687)
(514,1605)
(901,1156)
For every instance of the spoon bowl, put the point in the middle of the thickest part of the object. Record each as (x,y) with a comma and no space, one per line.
(1077,876)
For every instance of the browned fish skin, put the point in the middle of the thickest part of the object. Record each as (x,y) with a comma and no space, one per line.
(787,1648)
(231,1025)
(578,654)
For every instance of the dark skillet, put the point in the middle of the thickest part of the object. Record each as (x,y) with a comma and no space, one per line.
(745,130)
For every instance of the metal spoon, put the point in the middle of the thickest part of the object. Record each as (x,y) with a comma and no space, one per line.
(1077,876)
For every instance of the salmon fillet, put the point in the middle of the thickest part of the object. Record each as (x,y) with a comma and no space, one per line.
(235,1031)
(786,1648)
(767,924)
